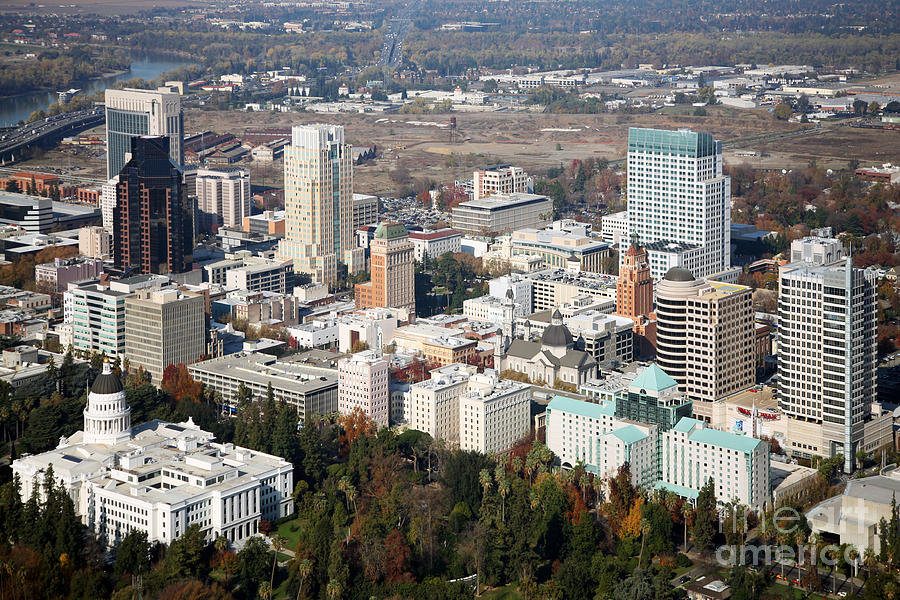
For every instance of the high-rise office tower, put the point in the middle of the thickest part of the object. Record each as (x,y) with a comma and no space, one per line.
(223,198)
(164,327)
(827,343)
(679,202)
(133,113)
(152,227)
(705,335)
(393,277)
(634,298)
(318,193)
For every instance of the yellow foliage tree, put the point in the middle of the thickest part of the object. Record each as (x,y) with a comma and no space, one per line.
(631,524)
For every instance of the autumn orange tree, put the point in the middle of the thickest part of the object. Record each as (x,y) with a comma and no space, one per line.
(179,384)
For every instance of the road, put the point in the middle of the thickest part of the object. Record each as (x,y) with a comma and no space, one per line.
(47,132)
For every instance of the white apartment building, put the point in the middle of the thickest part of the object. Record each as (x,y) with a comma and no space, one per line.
(615,229)
(475,411)
(705,336)
(490,309)
(827,354)
(693,453)
(432,405)
(223,198)
(132,113)
(677,193)
(502,213)
(434,243)
(315,334)
(500,180)
(363,383)
(164,327)
(680,460)
(159,478)
(261,275)
(494,413)
(521,290)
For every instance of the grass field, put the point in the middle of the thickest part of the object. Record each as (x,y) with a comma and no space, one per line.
(505,593)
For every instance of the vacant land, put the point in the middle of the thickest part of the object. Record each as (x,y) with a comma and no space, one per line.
(416,150)
(100,7)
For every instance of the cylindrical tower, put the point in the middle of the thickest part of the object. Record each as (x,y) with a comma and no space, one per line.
(107,417)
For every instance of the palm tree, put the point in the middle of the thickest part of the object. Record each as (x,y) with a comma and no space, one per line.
(870,560)
(333,590)
(304,570)
(686,511)
(645,529)
(484,477)
(265,591)
(503,488)
(278,544)
(853,555)
(221,545)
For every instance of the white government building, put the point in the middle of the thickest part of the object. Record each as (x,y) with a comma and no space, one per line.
(158,477)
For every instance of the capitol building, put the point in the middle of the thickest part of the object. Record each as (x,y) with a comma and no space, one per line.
(158,477)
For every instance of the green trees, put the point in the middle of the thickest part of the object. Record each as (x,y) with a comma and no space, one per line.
(706,517)
(783,111)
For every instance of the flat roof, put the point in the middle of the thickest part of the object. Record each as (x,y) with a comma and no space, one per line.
(503,201)
(581,408)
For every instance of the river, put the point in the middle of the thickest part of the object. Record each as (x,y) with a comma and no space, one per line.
(15,109)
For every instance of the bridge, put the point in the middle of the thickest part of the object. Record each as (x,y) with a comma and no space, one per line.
(46,133)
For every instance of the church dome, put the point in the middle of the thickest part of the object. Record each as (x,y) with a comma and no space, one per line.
(556,333)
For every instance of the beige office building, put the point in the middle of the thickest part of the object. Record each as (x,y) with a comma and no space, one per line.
(705,335)
(164,327)
(318,194)
(95,242)
(393,278)
(223,198)
(365,210)
(500,180)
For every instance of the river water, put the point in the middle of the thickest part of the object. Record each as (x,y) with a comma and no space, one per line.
(13,110)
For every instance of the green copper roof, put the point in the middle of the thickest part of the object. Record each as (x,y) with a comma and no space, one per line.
(714,437)
(663,141)
(684,492)
(654,379)
(390,231)
(629,434)
(581,407)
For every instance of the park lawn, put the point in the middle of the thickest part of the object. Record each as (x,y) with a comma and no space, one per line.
(290,531)
(505,593)
(679,571)
(791,593)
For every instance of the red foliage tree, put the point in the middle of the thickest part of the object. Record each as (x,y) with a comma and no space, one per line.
(397,561)
(179,384)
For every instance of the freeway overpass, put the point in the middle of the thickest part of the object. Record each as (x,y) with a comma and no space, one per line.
(46,133)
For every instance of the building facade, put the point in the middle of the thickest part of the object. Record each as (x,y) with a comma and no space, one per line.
(152,224)
(365,210)
(677,193)
(500,180)
(98,319)
(494,413)
(501,213)
(95,242)
(57,275)
(705,335)
(318,192)
(132,113)
(164,327)
(634,298)
(434,243)
(159,478)
(223,198)
(561,244)
(392,270)
(363,384)
(827,353)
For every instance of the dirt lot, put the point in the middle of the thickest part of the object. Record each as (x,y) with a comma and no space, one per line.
(417,148)
(101,7)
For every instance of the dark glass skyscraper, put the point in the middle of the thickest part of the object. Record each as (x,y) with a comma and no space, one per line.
(153,230)
(132,113)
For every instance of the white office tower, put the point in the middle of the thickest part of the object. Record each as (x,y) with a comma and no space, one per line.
(827,344)
(679,202)
(223,198)
(108,203)
(134,113)
(318,203)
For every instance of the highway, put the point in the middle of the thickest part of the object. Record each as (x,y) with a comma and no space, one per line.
(47,133)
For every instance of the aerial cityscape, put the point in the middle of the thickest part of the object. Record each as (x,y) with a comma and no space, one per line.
(420,299)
